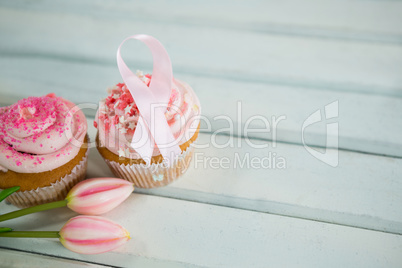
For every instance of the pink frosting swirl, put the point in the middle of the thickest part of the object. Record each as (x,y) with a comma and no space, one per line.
(39,134)
(118,115)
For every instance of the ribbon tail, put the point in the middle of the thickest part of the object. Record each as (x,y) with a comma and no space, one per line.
(151,102)
(142,141)
(167,143)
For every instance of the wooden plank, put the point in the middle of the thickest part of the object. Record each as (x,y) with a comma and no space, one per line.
(366,123)
(375,21)
(13,258)
(363,191)
(187,233)
(237,55)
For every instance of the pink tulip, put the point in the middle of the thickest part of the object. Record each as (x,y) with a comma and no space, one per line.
(98,196)
(92,235)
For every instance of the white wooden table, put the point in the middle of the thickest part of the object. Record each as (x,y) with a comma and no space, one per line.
(273,58)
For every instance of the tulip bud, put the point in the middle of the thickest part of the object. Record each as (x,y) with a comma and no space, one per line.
(92,235)
(98,196)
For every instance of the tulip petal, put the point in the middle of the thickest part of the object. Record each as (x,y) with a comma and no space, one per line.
(98,196)
(92,235)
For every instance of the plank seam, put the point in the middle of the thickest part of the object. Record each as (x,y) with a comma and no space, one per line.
(168,193)
(269,80)
(58,257)
(299,144)
(290,30)
(91,116)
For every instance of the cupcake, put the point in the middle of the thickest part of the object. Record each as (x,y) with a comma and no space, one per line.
(43,149)
(132,140)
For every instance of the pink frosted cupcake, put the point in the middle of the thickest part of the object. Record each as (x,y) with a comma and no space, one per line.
(148,124)
(117,120)
(43,149)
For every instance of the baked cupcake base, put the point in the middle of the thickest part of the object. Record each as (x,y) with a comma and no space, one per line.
(49,186)
(155,174)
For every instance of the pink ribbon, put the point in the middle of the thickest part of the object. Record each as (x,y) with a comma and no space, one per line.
(152,127)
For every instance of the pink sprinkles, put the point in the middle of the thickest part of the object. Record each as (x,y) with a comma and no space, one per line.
(120,99)
(30,119)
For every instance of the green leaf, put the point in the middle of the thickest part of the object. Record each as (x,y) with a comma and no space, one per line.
(5,229)
(7,192)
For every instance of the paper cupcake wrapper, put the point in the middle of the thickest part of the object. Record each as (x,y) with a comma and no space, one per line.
(152,175)
(57,191)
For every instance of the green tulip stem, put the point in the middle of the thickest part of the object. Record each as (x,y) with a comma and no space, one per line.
(6,192)
(25,211)
(32,234)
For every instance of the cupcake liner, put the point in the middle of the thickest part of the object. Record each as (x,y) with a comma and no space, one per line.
(152,175)
(57,191)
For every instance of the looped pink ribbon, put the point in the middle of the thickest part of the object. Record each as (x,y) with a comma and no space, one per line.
(151,102)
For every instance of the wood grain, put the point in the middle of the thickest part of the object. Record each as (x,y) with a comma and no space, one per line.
(201,50)
(277,58)
(366,21)
(13,258)
(181,233)
(367,123)
(363,191)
